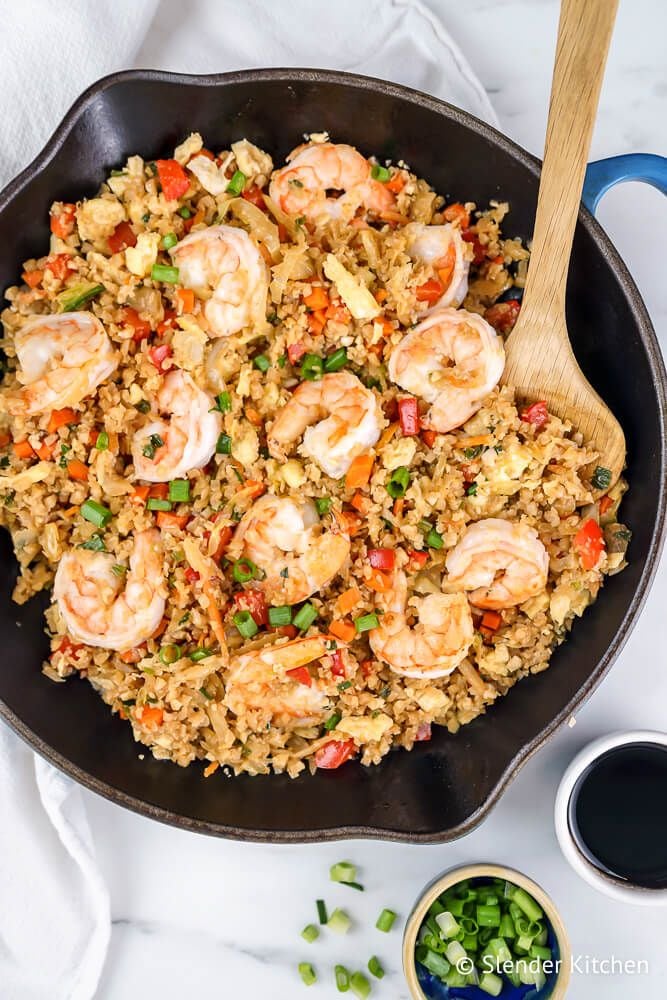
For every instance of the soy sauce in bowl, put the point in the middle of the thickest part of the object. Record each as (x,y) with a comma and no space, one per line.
(617,814)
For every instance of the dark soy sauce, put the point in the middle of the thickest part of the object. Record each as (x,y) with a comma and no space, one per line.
(618,814)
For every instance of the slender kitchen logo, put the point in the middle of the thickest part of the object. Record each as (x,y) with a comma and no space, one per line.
(583,965)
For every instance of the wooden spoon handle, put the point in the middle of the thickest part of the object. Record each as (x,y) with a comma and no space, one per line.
(584,34)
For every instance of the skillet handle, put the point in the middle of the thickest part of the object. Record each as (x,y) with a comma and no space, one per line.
(604,174)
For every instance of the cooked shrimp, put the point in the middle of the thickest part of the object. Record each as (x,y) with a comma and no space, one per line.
(347,421)
(452,359)
(297,551)
(502,563)
(103,608)
(165,449)
(316,173)
(435,644)
(443,247)
(224,266)
(259,682)
(62,358)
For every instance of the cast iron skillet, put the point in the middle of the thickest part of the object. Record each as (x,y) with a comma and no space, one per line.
(444,788)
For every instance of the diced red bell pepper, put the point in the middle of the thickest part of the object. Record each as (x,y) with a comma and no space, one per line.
(223,541)
(367,667)
(536,414)
(173,179)
(408,416)
(423,733)
(191,575)
(479,253)
(337,665)
(67,646)
(122,237)
(141,327)
(295,352)
(589,543)
(167,323)
(384,559)
(503,315)
(58,265)
(456,212)
(430,291)
(428,437)
(333,754)
(160,355)
(301,675)
(254,602)
(606,503)
(62,222)
(417,557)
(254,195)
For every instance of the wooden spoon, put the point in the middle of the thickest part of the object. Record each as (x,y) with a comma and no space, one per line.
(540,361)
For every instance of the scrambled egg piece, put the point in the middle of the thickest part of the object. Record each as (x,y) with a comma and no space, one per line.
(365,728)
(98,217)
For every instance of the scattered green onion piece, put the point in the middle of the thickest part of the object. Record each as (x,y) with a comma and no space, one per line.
(506,929)
(335,361)
(398,482)
(281,615)
(179,490)
(364,623)
(339,922)
(342,978)
(471,490)
(470,942)
(344,685)
(343,872)
(379,173)
(455,907)
(323,505)
(156,503)
(601,478)
(497,947)
(526,903)
(237,183)
(304,617)
(306,971)
(310,933)
(448,925)
(168,241)
(491,983)
(246,624)
(143,406)
(152,444)
(94,544)
(360,985)
(118,569)
(375,967)
(262,362)
(435,963)
(488,916)
(102,442)
(75,296)
(184,212)
(224,401)
(200,654)
(455,952)
(332,721)
(223,445)
(244,570)
(385,921)
(170,653)
(96,513)
(312,367)
(164,273)
(321,911)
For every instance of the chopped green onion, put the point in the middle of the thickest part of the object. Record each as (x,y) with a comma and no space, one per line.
(526,903)
(237,183)
(170,653)
(224,401)
(537,951)
(488,916)
(200,654)
(332,721)
(168,241)
(491,983)
(310,933)
(455,952)
(306,971)
(379,173)
(152,444)
(471,490)
(246,624)
(432,537)
(353,885)
(431,960)
(75,296)
(497,947)
(305,617)
(281,615)
(156,503)
(398,482)
(375,967)
(321,911)
(262,362)
(94,544)
(312,367)
(102,442)
(343,872)
(179,490)
(224,445)
(385,921)
(342,978)
(506,929)
(360,985)
(601,478)
(143,406)
(323,505)
(184,212)
(244,570)
(448,924)
(339,922)
(96,513)
(366,622)
(165,273)
(118,569)
(334,362)
(344,685)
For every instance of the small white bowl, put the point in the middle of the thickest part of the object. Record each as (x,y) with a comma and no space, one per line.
(615,887)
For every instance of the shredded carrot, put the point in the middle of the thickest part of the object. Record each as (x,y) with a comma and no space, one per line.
(167,521)
(360,471)
(23,449)
(161,629)
(211,769)
(428,437)
(77,470)
(399,504)
(386,324)
(318,299)
(491,620)
(378,581)
(387,434)
(33,278)
(472,442)
(185,299)
(131,655)
(345,631)
(45,451)
(253,488)
(381,295)
(71,511)
(317,321)
(59,418)
(151,717)
(160,491)
(348,599)
(605,503)
(396,183)
(253,415)
(140,494)
(351,522)
(361,503)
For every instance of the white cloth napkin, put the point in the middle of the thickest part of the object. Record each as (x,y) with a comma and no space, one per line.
(54,906)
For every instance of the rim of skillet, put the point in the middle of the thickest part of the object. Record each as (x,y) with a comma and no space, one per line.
(656,362)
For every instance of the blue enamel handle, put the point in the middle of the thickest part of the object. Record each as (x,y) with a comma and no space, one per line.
(604,174)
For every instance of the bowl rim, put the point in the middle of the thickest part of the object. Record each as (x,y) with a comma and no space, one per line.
(484,870)
(656,363)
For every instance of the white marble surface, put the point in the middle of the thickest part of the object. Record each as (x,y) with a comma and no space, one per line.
(223,919)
